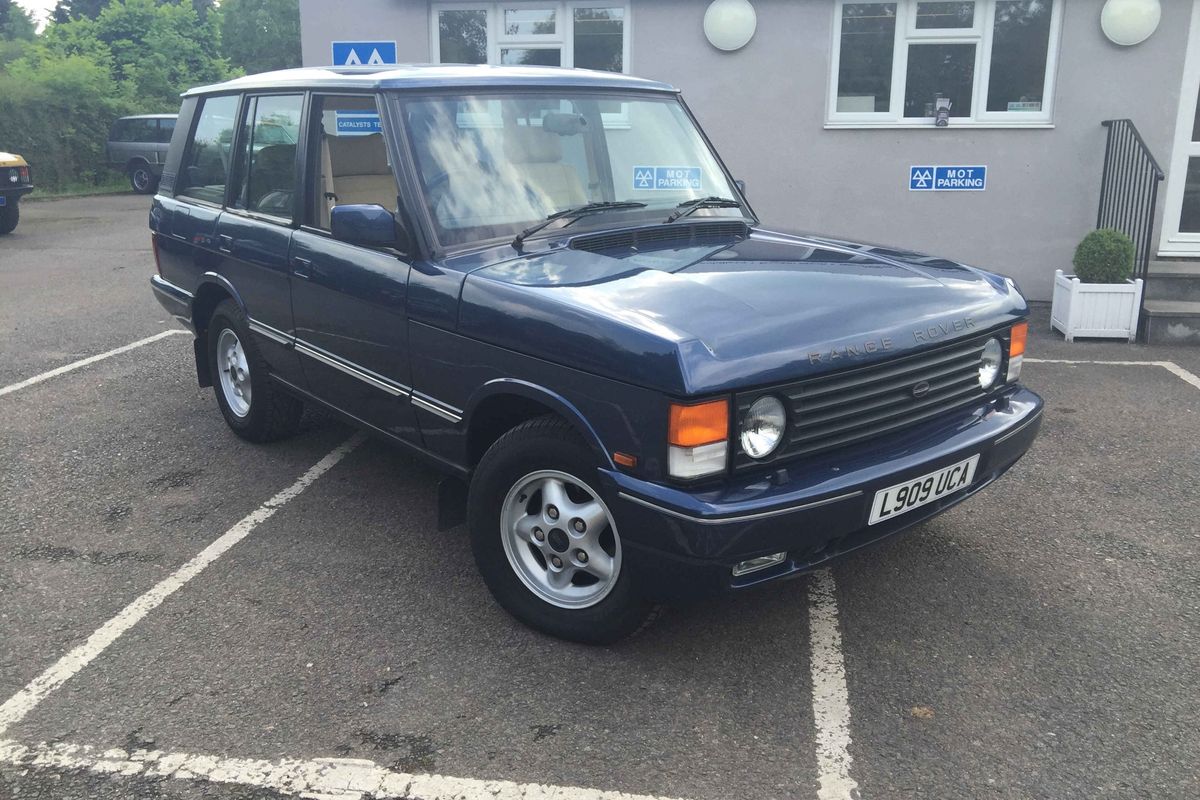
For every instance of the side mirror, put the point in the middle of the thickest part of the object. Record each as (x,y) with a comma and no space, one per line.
(741,185)
(371,225)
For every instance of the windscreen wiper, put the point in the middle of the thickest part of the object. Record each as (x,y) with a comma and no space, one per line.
(573,214)
(688,206)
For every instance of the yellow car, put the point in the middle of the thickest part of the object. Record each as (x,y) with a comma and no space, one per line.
(15,181)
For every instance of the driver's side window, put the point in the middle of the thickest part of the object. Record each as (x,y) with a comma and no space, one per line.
(352,165)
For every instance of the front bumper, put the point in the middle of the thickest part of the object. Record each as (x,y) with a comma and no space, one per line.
(685,543)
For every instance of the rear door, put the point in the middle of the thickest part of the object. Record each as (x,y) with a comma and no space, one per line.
(349,301)
(255,231)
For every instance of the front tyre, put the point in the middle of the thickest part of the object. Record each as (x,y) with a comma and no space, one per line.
(546,543)
(257,409)
(10,215)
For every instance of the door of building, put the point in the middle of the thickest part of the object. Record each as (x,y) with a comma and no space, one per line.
(1181,214)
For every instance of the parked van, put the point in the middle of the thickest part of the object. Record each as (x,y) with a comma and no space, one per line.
(137,146)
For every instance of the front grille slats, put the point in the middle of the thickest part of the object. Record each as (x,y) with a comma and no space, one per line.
(861,404)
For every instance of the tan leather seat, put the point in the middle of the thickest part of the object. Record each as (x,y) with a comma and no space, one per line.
(538,157)
(360,171)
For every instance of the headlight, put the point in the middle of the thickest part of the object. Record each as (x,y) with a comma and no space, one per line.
(763,426)
(989,363)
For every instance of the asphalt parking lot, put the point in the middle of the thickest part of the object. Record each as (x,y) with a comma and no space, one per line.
(1039,641)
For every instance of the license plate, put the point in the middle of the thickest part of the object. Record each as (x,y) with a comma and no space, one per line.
(904,497)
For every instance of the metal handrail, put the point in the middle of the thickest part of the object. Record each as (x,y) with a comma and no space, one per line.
(1129,192)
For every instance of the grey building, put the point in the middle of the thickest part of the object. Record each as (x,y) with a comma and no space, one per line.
(830,104)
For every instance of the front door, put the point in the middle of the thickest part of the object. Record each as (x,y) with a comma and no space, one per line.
(349,302)
(1181,215)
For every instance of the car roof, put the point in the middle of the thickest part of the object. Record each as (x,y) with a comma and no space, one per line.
(152,116)
(432,76)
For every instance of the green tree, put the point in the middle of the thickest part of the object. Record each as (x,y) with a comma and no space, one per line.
(261,35)
(15,22)
(67,10)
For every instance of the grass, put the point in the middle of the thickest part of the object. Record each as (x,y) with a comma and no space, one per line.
(108,184)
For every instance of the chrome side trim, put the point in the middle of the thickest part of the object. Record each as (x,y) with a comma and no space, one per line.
(1018,429)
(437,408)
(274,334)
(353,370)
(742,517)
(161,284)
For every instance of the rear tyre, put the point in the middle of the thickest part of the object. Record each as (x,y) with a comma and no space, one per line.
(10,214)
(255,407)
(545,542)
(142,179)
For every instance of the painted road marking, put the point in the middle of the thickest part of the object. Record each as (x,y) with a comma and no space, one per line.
(54,373)
(340,778)
(1170,366)
(59,673)
(831,699)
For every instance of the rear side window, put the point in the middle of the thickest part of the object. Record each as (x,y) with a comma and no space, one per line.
(267,155)
(120,131)
(205,168)
(166,127)
(353,166)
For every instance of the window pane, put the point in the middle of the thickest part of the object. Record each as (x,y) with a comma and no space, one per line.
(545,57)
(599,38)
(462,37)
(166,127)
(1020,43)
(946,15)
(205,168)
(865,65)
(939,70)
(1189,217)
(529,21)
(268,155)
(354,161)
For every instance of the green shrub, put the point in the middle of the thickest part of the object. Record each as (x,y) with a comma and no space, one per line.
(1104,256)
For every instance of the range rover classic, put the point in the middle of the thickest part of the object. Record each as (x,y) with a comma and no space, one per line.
(546,283)
(15,183)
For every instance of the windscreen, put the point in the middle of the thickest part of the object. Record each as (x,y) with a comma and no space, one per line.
(493,164)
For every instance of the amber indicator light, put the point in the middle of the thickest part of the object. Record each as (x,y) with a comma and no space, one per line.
(1016,346)
(699,424)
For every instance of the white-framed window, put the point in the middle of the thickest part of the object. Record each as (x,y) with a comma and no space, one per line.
(994,60)
(589,34)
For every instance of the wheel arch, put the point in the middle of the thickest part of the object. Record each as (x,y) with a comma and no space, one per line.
(213,289)
(503,403)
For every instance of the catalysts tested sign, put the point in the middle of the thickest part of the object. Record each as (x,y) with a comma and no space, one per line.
(947,179)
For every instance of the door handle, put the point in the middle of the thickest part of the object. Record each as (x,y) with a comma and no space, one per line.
(225,243)
(302,268)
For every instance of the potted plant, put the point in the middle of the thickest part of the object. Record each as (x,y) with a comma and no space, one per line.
(1100,299)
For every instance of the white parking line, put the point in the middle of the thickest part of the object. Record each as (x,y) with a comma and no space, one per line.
(83,362)
(1169,366)
(341,778)
(24,701)
(831,700)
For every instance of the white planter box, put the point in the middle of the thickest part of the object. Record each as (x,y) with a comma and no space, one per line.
(1095,309)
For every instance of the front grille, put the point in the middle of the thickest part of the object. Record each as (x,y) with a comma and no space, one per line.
(849,407)
(678,234)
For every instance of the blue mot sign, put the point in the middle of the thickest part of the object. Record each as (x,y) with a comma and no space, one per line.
(947,179)
(363,54)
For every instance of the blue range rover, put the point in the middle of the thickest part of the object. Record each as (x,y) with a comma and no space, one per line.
(546,283)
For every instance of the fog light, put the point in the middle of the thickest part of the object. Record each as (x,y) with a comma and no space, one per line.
(755,564)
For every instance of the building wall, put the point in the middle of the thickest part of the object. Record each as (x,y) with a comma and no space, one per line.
(764,108)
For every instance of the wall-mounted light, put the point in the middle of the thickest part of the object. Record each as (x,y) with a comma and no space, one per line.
(730,24)
(1130,22)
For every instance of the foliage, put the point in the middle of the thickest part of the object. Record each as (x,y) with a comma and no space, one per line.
(16,24)
(57,115)
(67,10)
(261,35)
(1104,256)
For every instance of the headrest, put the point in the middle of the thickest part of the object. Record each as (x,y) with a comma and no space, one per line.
(524,145)
(358,155)
(276,157)
(564,124)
